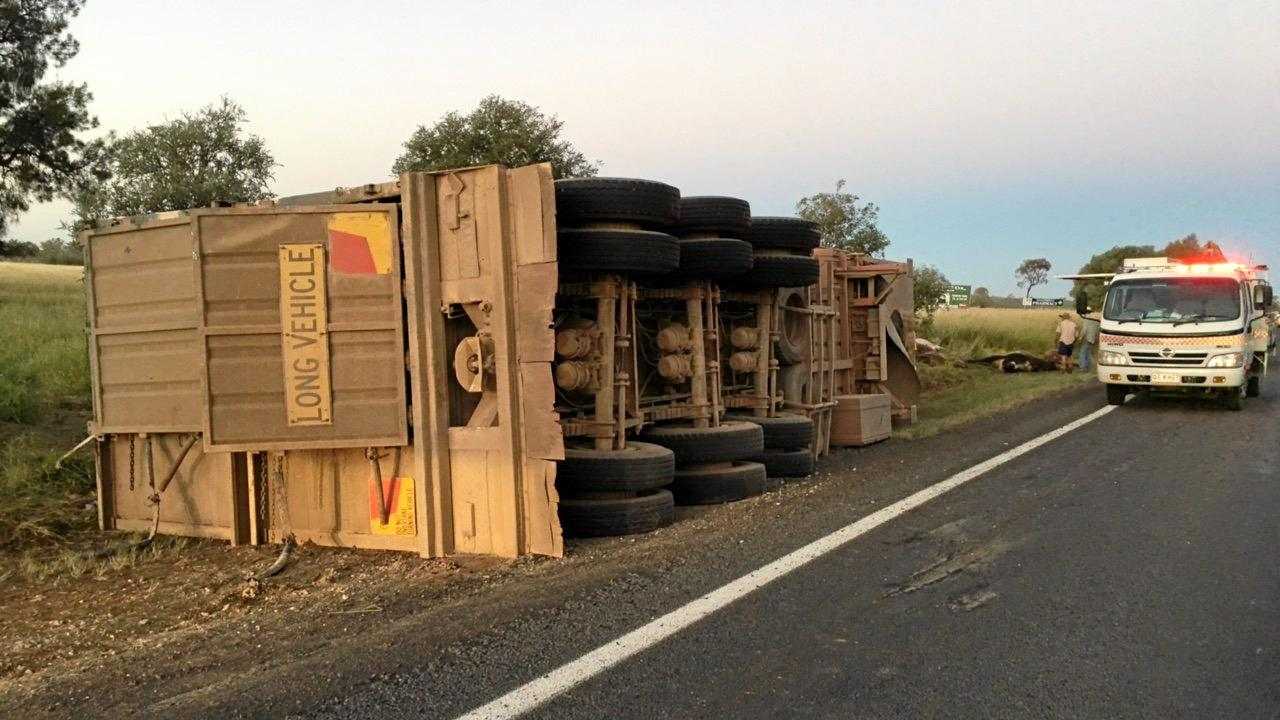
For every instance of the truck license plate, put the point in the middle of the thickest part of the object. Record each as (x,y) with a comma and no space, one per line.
(1166,379)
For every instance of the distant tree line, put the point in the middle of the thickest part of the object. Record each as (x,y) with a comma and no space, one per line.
(55,251)
(1186,249)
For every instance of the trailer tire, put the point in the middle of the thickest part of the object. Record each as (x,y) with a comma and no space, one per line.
(629,200)
(786,431)
(713,214)
(1253,387)
(784,233)
(793,341)
(638,467)
(1116,394)
(715,258)
(780,271)
(786,463)
(694,445)
(719,483)
(603,517)
(621,251)
(793,380)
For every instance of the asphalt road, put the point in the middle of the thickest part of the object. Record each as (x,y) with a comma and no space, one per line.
(1126,569)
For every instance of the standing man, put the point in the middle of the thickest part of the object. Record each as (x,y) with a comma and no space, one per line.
(1066,339)
(1088,339)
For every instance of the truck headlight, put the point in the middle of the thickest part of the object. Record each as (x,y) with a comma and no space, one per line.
(1107,357)
(1226,360)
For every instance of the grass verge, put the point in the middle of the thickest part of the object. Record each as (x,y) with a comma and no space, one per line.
(978,392)
(44,402)
(955,394)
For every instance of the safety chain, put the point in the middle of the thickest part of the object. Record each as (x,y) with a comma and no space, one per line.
(260,475)
(132,438)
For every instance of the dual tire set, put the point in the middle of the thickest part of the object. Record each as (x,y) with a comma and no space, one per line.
(644,229)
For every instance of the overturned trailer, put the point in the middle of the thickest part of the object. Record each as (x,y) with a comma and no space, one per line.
(460,361)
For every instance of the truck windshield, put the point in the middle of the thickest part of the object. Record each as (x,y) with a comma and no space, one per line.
(1173,300)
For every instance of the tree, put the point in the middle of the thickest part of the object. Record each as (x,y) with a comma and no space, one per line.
(503,131)
(1108,261)
(1186,249)
(843,222)
(18,249)
(196,160)
(981,298)
(930,287)
(1032,272)
(1189,249)
(42,150)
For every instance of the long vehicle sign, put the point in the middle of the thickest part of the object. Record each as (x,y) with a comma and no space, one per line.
(304,319)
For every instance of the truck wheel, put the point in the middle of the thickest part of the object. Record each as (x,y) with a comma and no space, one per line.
(730,217)
(786,431)
(592,517)
(636,468)
(792,345)
(784,233)
(692,445)
(1254,386)
(794,379)
(714,258)
(1116,394)
(1234,399)
(718,484)
(780,271)
(786,463)
(594,200)
(620,251)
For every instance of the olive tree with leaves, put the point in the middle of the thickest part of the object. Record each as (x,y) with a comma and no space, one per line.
(43,149)
(843,222)
(195,160)
(508,132)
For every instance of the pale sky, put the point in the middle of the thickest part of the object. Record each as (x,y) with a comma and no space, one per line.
(987,132)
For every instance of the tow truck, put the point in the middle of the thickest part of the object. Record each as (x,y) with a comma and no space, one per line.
(1202,329)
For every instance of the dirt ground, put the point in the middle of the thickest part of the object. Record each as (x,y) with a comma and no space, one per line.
(195,600)
(175,630)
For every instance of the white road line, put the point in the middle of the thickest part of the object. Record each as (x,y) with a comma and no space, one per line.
(535,693)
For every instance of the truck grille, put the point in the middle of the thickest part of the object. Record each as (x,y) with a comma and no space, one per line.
(1178,359)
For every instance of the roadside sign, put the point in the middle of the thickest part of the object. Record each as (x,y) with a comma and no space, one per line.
(958,295)
(1043,302)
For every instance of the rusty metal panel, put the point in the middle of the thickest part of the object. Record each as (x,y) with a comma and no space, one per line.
(143,319)
(243,327)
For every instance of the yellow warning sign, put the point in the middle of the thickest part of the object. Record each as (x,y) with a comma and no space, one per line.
(401,513)
(304,334)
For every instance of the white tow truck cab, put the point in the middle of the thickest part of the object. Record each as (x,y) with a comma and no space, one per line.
(1200,329)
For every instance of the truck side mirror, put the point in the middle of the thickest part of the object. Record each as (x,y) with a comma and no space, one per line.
(1082,303)
(1262,297)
